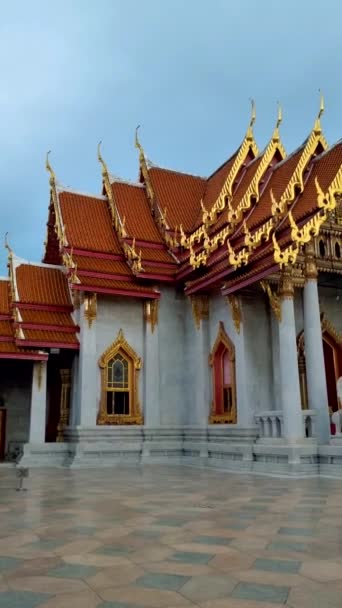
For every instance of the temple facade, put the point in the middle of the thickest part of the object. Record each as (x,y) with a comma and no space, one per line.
(183,319)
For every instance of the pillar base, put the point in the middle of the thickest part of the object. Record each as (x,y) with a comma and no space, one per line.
(278,457)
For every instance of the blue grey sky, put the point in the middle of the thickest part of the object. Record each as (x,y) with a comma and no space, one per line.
(77,71)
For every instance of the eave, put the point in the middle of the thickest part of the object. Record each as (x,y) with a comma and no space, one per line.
(117,292)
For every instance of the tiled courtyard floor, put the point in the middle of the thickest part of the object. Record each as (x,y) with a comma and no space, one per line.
(169,537)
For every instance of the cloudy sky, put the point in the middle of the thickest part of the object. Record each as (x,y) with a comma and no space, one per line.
(77,71)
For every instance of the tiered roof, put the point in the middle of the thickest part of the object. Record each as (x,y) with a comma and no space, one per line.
(35,311)
(243,222)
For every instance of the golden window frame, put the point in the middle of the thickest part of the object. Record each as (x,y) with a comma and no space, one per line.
(223,338)
(121,346)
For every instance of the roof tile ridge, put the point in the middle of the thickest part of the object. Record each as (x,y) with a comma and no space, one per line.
(235,215)
(4,279)
(186,173)
(114,179)
(295,186)
(132,257)
(60,188)
(59,225)
(248,144)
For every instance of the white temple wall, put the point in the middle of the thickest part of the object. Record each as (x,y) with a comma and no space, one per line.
(331,304)
(113,314)
(196,371)
(15,390)
(258,353)
(175,384)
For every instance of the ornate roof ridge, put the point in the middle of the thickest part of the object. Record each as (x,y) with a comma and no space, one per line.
(18,261)
(113,179)
(61,188)
(179,172)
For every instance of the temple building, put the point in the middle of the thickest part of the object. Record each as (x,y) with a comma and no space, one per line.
(183,319)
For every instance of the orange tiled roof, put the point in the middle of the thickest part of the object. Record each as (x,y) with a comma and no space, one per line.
(42,285)
(279,179)
(6,329)
(48,317)
(216,182)
(114,285)
(87,222)
(132,204)
(180,193)
(156,255)
(93,264)
(324,168)
(13,351)
(4,297)
(43,336)
(240,191)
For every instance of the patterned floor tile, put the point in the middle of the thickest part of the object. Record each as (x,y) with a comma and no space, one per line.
(212,540)
(288,546)
(191,558)
(261,593)
(212,587)
(170,525)
(157,580)
(115,550)
(277,565)
(73,571)
(22,599)
(8,563)
(297,531)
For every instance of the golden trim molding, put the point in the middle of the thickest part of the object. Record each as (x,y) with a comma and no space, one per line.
(90,308)
(200,309)
(273,298)
(151,310)
(120,345)
(236,312)
(223,338)
(64,407)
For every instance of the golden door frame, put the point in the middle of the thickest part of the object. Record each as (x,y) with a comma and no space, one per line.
(121,346)
(329,335)
(223,338)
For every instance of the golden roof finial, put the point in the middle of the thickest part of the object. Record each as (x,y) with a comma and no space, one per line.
(275,135)
(280,115)
(50,169)
(317,127)
(249,134)
(7,246)
(138,144)
(100,159)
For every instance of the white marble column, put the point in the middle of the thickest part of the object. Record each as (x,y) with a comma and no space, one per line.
(38,403)
(314,355)
(88,364)
(245,407)
(201,409)
(289,375)
(74,400)
(151,366)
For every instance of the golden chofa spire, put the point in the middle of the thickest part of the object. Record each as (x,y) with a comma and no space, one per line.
(317,126)
(7,245)
(50,170)
(144,172)
(275,135)
(250,134)
(101,161)
(139,146)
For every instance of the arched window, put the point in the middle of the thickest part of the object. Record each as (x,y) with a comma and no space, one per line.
(119,384)
(222,361)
